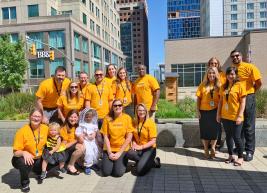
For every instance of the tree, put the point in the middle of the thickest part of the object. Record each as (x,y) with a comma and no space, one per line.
(13,63)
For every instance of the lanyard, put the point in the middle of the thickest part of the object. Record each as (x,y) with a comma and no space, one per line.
(124,91)
(228,92)
(139,130)
(37,140)
(211,93)
(58,91)
(100,94)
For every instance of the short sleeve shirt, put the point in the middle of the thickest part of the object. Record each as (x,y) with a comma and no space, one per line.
(123,92)
(74,103)
(68,136)
(209,99)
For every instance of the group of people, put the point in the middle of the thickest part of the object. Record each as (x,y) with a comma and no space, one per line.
(81,123)
(229,98)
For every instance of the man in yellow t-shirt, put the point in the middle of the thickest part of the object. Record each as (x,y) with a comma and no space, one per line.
(83,84)
(48,93)
(99,96)
(146,90)
(250,76)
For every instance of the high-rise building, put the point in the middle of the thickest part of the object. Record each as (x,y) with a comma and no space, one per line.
(134,33)
(183,19)
(84,34)
(244,14)
(211,18)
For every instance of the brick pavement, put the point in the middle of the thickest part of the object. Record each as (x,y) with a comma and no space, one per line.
(183,170)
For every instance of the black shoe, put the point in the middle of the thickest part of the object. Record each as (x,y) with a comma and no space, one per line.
(43,175)
(62,170)
(25,188)
(157,162)
(249,157)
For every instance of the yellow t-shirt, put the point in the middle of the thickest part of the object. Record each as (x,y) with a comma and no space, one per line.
(74,103)
(109,80)
(49,93)
(117,130)
(230,109)
(148,132)
(143,88)
(93,95)
(68,136)
(222,78)
(248,73)
(122,92)
(83,90)
(208,101)
(24,140)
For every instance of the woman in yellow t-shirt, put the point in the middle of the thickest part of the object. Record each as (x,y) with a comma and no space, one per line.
(122,90)
(207,103)
(73,150)
(230,112)
(28,146)
(117,131)
(110,74)
(143,149)
(214,62)
(72,99)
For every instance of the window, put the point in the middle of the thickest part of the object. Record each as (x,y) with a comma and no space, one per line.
(83,1)
(107,55)
(263,24)
(250,15)
(54,64)
(76,41)
(263,5)
(67,13)
(57,39)
(9,13)
(37,68)
(86,67)
(233,1)
(53,11)
(233,25)
(37,38)
(84,19)
(189,74)
(250,6)
(233,7)
(263,14)
(250,24)
(98,30)
(97,12)
(95,50)
(92,26)
(233,16)
(234,34)
(33,10)
(85,45)
(77,67)
(114,59)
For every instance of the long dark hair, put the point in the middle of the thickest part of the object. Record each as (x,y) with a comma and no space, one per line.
(228,71)
(111,112)
(67,123)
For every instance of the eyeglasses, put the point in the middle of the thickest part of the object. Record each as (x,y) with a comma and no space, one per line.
(141,110)
(74,87)
(233,56)
(98,74)
(119,105)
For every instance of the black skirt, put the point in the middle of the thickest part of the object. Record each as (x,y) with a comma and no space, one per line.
(209,127)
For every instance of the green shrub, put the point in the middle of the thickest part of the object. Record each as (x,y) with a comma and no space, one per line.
(261,103)
(16,105)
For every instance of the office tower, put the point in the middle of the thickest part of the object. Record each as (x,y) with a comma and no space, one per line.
(183,19)
(134,33)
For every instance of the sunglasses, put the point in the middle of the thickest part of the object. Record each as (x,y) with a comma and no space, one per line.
(98,74)
(119,105)
(74,87)
(233,56)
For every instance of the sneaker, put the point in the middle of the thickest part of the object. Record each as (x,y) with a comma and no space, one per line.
(157,162)
(87,171)
(25,188)
(63,170)
(43,175)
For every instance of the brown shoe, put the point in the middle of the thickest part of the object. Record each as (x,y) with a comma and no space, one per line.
(206,154)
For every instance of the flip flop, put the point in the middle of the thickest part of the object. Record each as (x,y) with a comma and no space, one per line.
(76,173)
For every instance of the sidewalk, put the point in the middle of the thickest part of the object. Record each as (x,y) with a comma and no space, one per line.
(183,170)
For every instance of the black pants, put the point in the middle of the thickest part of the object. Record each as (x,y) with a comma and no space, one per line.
(233,133)
(144,159)
(69,151)
(24,170)
(248,130)
(99,123)
(114,168)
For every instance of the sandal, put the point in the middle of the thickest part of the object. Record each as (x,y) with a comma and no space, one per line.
(206,154)
(212,153)
(238,162)
(73,173)
(229,160)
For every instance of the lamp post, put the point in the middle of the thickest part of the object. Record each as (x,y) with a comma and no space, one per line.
(28,39)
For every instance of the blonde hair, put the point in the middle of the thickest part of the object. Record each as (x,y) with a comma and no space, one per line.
(136,114)
(55,126)
(68,92)
(206,81)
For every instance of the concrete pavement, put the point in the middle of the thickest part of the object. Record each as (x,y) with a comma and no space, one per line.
(183,170)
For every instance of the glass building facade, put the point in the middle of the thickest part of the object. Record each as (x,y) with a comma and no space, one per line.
(183,18)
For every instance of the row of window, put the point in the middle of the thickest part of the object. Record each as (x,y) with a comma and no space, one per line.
(10,13)
(250,15)
(250,6)
(263,24)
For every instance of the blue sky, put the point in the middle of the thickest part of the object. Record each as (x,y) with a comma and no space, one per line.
(157,31)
